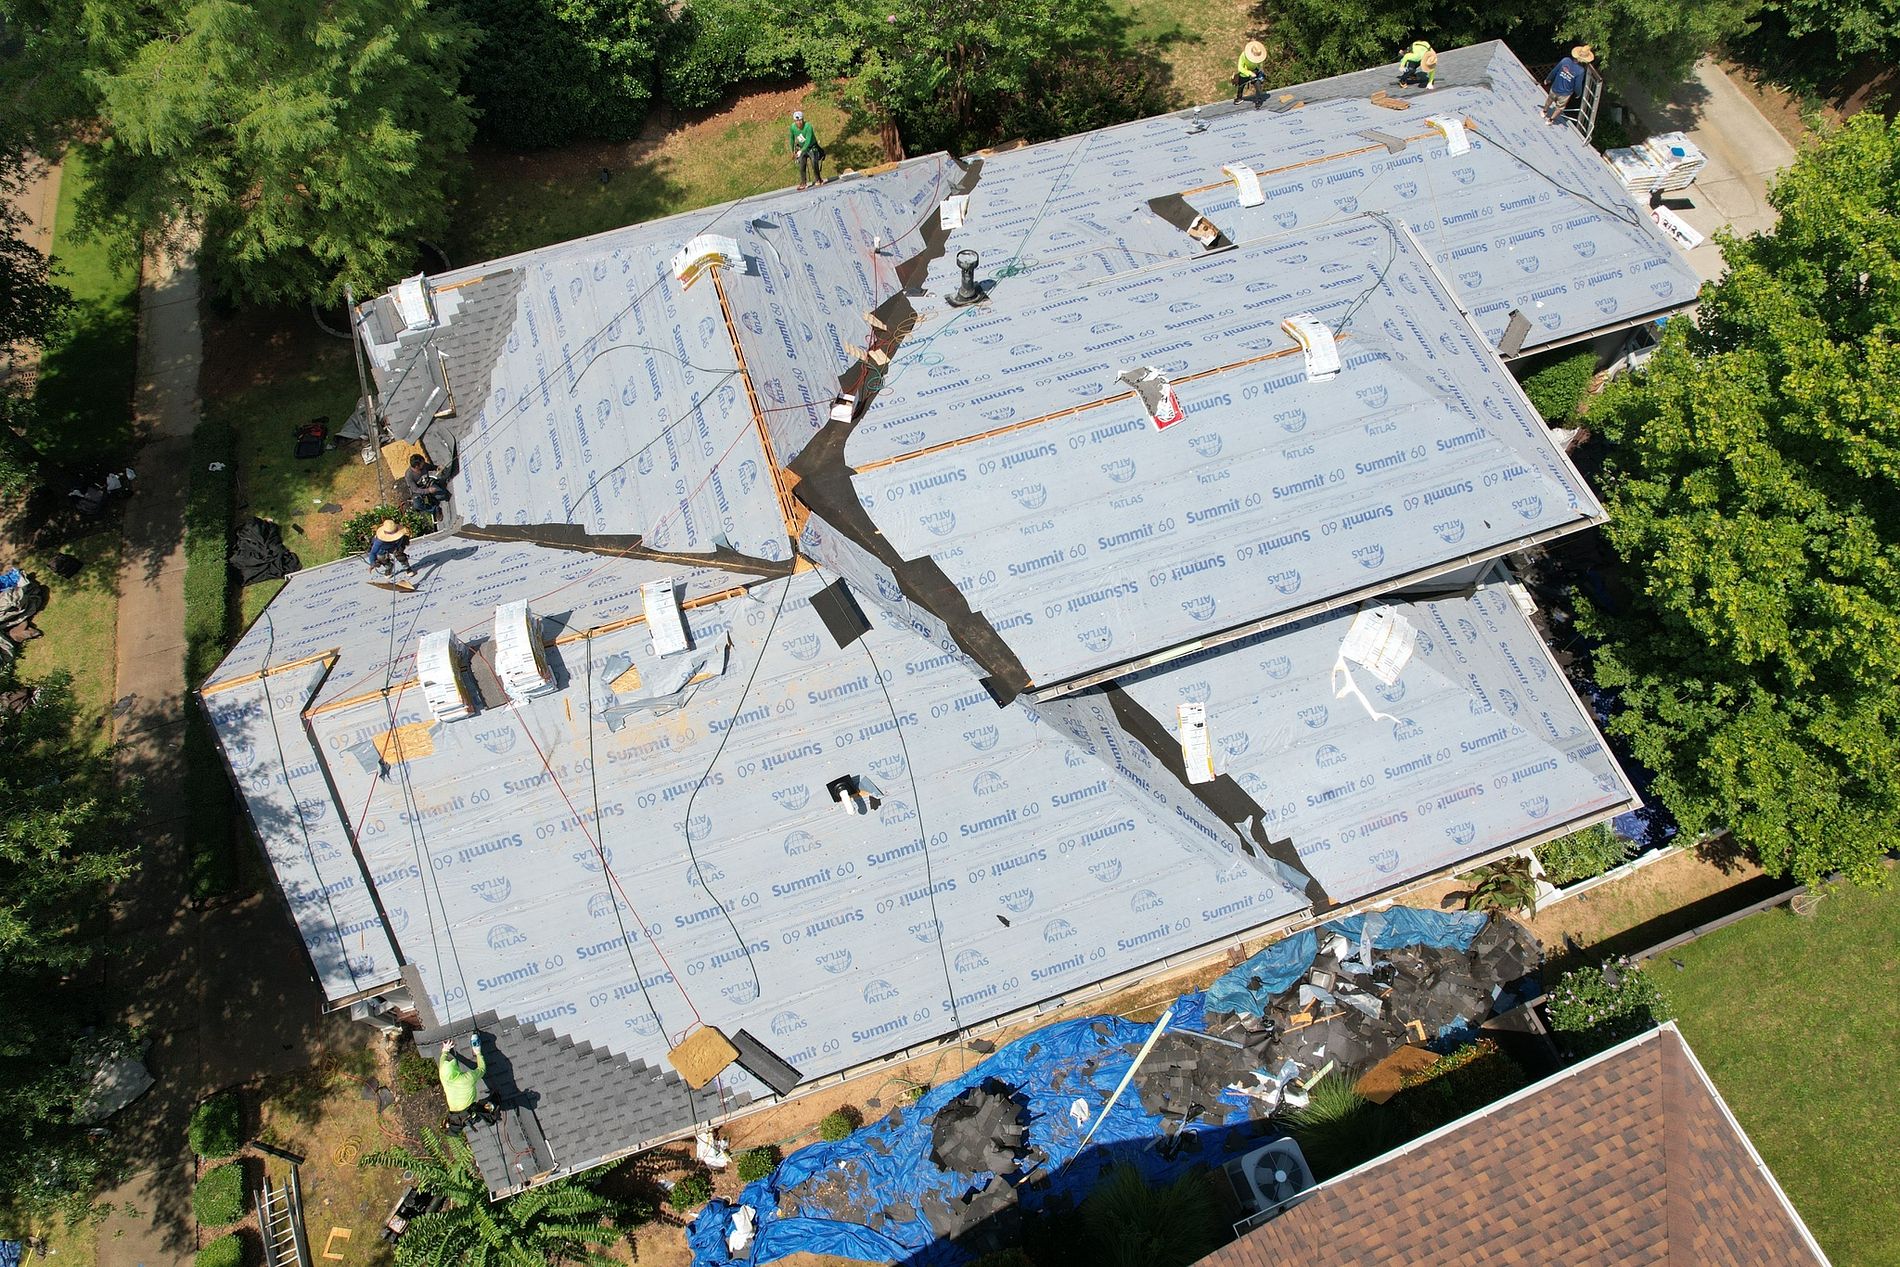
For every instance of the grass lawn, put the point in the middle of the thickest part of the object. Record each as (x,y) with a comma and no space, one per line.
(80,624)
(1200,41)
(86,373)
(1796,1019)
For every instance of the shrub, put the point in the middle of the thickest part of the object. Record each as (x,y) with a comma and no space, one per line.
(1583,854)
(1338,1128)
(218,1200)
(1466,1080)
(226,1251)
(1128,1221)
(1557,387)
(216,1127)
(690,1191)
(544,72)
(756,1163)
(355,537)
(1594,1008)
(414,1072)
(714,44)
(1505,885)
(835,1126)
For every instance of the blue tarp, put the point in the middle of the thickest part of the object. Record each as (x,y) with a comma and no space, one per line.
(1279,967)
(888,1162)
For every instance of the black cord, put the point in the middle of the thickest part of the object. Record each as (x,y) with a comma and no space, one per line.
(686,824)
(647,347)
(1392,254)
(691,410)
(1626,214)
(923,833)
(303,824)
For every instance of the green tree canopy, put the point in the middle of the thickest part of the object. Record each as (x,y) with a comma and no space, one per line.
(547,71)
(566,1221)
(313,141)
(1752,486)
(1814,44)
(61,844)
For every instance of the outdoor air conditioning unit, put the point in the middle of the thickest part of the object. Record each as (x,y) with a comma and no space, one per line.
(1270,1180)
(521,660)
(439,661)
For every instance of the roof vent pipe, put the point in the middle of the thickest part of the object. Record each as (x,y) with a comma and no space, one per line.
(969,292)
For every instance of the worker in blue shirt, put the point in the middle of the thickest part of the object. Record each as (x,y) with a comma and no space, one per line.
(1563,81)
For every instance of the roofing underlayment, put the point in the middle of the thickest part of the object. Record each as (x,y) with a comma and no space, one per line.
(650,844)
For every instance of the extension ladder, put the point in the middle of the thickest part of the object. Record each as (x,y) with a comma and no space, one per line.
(280,1219)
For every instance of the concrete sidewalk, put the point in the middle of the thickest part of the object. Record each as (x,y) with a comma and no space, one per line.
(1744,154)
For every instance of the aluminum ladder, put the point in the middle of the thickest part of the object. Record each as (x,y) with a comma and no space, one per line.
(1582,113)
(280,1218)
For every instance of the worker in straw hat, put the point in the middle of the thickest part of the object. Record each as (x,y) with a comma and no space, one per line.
(1563,81)
(1418,65)
(1249,72)
(388,546)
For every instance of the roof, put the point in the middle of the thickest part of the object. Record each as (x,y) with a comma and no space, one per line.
(1628,1157)
(1003,446)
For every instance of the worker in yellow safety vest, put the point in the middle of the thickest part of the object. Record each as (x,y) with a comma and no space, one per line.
(1418,65)
(1249,72)
(461,1085)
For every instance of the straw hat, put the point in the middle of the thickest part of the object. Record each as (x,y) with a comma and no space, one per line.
(1429,62)
(1583,53)
(388,531)
(1256,52)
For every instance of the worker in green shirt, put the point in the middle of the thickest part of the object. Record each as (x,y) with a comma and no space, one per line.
(1418,65)
(1249,72)
(461,1085)
(807,151)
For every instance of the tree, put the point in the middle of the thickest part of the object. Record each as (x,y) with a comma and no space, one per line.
(313,141)
(1813,44)
(1643,39)
(962,74)
(547,71)
(560,1222)
(1752,483)
(31,307)
(62,843)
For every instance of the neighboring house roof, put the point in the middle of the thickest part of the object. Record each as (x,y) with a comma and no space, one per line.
(1628,1157)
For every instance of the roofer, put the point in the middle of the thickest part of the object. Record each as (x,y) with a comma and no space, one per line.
(422,486)
(388,546)
(461,1085)
(1563,81)
(1418,65)
(810,154)
(1249,72)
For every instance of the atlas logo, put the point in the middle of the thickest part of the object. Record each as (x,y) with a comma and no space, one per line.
(1019,900)
(1406,188)
(1287,582)
(506,937)
(803,647)
(1285,219)
(1607,305)
(493,890)
(645,1026)
(1462,834)
(1057,930)
(1291,421)
(1662,290)
(1201,608)
(801,842)
(1370,556)
(498,741)
(590,859)
(1508,698)
(1236,744)
(1551,320)
(1098,639)
(971,960)
(1329,756)
(398,919)
(988,783)
(751,321)
(1464,175)
(748,475)
(1405,728)
(1314,716)
(834,961)
(740,992)
(1277,668)
(1031,497)
(1146,900)
(1390,694)
(313,810)
(983,738)
(1002,413)
(1423,643)
(888,767)
(939,523)
(1467,629)
(1107,871)
(601,905)
(1374,396)
(1197,692)
(787,1023)
(794,798)
(1528,507)
(1536,806)
(1121,470)
(699,875)
(1385,862)
(879,991)
(1528,263)
(1208,445)
(1451,532)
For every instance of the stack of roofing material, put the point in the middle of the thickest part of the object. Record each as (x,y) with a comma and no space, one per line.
(1637,168)
(1678,158)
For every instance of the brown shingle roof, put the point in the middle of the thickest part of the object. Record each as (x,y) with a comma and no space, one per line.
(1625,1160)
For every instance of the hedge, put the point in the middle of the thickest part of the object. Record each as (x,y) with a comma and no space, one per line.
(689,1191)
(212,865)
(1558,386)
(218,1200)
(354,538)
(1583,855)
(1595,1008)
(226,1251)
(757,1163)
(217,1126)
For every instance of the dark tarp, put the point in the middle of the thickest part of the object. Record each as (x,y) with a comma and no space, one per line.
(258,553)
